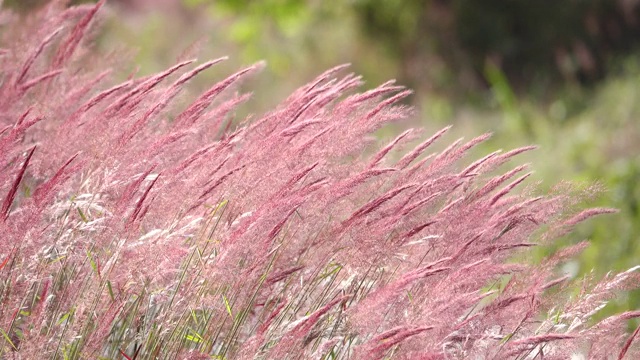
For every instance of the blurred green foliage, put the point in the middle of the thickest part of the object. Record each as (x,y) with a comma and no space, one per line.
(274,30)
(532,42)
(446,44)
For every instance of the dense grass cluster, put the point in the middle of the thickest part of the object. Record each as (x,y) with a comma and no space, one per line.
(134,227)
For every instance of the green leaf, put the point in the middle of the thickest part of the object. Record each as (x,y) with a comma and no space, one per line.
(226,304)
(65,317)
(110,289)
(27,191)
(6,337)
(82,216)
(92,262)
(196,338)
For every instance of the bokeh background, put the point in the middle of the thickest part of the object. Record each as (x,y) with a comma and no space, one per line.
(561,74)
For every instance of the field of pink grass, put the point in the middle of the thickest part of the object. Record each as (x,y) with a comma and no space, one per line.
(135,227)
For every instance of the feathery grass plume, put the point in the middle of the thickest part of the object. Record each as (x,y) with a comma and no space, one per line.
(134,228)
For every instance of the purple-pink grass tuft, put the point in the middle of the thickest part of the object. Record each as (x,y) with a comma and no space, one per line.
(135,228)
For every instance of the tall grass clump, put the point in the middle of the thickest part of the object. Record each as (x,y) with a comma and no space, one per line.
(136,227)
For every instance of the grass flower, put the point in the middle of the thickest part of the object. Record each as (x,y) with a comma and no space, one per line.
(136,228)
